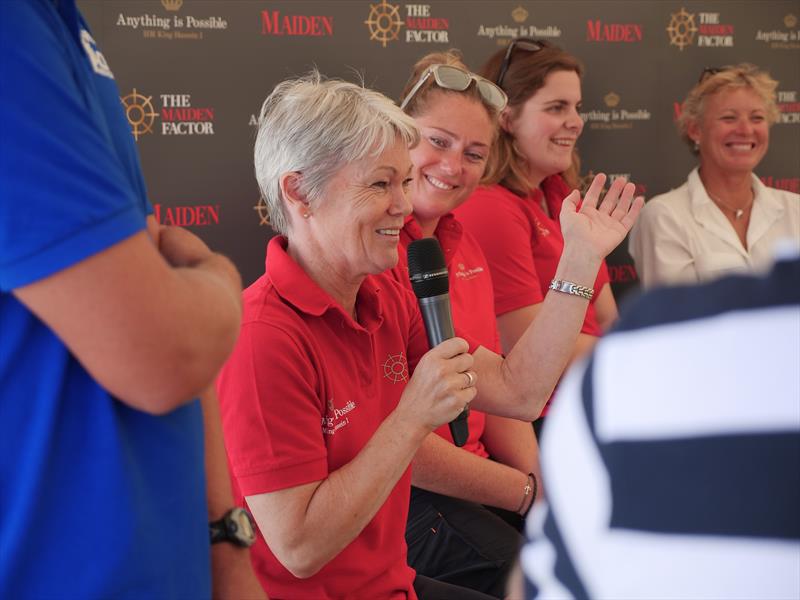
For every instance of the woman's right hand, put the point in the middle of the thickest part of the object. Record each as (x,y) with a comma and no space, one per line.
(440,388)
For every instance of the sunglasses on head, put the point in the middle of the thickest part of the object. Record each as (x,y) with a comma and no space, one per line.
(527,44)
(452,78)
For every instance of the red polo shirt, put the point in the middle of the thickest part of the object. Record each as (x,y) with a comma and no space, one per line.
(304,390)
(471,299)
(523,244)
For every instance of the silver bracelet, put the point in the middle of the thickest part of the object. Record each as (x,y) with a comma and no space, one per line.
(567,287)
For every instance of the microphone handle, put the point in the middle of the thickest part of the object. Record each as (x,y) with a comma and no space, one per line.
(439,326)
(437,318)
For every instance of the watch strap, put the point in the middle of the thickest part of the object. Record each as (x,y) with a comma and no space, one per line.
(236,526)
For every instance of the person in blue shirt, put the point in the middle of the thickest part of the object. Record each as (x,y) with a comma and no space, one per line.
(109,326)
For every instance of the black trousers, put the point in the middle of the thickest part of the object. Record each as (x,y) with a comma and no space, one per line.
(460,542)
(430,589)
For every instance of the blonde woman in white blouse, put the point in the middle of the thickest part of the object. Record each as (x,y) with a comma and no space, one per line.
(723,218)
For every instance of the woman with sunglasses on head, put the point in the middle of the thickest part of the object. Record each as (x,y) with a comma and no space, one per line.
(451,534)
(518,220)
(467,503)
(723,218)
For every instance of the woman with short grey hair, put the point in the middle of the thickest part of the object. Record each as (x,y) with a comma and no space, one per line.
(332,386)
(314,128)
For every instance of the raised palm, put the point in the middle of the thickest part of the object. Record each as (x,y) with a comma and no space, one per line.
(599,226)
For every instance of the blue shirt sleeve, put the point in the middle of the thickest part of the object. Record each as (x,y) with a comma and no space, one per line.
(65,193)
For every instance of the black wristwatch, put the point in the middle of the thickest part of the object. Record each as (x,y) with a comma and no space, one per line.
(236,527)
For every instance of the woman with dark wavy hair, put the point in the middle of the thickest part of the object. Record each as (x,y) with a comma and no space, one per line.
(533,167)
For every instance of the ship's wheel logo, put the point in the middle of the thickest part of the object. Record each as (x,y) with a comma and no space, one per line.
(263,214)
(681,29)
(396,368)
(140,113)
(384,22)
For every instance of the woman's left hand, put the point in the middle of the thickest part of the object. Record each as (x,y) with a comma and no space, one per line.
(598,227)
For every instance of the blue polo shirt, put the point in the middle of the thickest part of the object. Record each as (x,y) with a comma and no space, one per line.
(96,499)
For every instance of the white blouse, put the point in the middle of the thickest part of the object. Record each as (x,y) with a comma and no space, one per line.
(683,237)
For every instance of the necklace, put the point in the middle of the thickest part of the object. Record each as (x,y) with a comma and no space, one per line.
(738,212)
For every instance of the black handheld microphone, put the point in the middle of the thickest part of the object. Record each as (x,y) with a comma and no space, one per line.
(428,273)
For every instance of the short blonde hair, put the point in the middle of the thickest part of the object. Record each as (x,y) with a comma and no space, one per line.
(743,75)
(316,126)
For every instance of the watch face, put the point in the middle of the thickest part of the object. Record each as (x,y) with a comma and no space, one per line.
(243,529)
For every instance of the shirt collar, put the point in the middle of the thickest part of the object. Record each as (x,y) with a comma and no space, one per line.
(295,287)
(763,201)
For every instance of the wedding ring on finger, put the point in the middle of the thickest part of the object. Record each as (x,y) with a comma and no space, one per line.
(470,379)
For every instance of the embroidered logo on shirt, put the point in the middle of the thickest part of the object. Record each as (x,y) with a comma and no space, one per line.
(99,63)
(396,368)
(541,228)
(336,418)
(468,273)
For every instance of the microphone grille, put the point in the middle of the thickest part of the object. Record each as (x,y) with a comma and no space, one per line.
(427,268)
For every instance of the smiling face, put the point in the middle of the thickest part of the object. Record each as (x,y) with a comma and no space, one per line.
(548,125)
(357,222)
(733,132)
(450,159)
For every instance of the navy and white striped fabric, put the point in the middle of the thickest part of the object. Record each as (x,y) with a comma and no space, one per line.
(672,457)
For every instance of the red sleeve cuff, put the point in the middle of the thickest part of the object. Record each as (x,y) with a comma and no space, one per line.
(262,482)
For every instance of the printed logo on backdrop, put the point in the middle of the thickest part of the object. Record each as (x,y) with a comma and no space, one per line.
(505,32)
(623,272)
(790,184)
(386,22)
(177,115)
(704,29)
(261,210)
(585,181)
(190,215)
(626,33)
(787,38)
(140,113)
(171,26)
(613,116)
(276,24)
(788,106)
